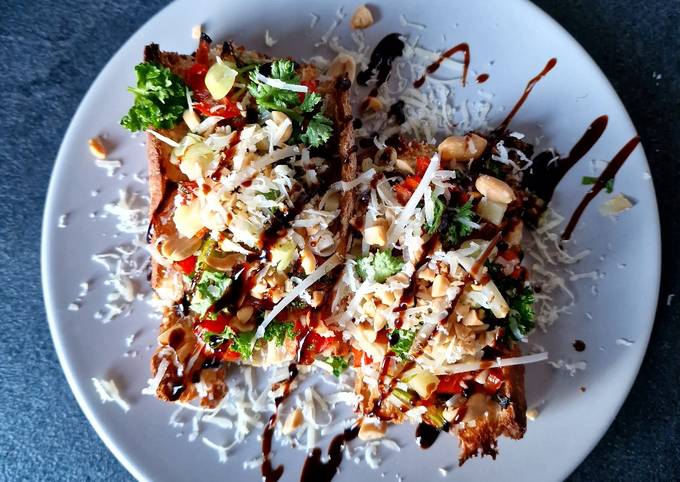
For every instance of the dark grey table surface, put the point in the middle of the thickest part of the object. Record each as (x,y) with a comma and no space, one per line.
(50,53)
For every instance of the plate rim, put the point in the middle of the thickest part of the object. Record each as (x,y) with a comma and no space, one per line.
(118,451)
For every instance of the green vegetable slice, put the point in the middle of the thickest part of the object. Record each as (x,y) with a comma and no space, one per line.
(378,266)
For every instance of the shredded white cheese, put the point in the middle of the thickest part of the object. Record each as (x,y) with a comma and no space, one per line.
(108,392)
(319,273)
(279,84)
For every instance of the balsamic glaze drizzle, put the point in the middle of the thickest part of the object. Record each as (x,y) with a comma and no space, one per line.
(527,90)
(608,174)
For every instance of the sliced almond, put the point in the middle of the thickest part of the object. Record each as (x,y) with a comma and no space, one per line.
(439,286)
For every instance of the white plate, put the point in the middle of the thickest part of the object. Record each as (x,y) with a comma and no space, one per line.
(518,38)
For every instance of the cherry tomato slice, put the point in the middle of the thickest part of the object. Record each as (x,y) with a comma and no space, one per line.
(186,266)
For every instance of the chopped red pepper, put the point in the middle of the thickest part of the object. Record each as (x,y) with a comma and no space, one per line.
(194,77)
(225,354)
(422,163)
(451,384)
(360,356)
(217,325)
(186,266)
(311,87)
(223,108)
(494,380)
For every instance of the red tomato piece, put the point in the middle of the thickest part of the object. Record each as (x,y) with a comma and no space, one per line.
(311,87)
(494,380)
(451,384)
(422,163)
(186,266)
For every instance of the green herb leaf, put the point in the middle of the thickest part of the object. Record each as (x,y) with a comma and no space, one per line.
(214,340)
(438,212)
(319,130)
(521,317)
(243,344)
(338,363)
(278,332)
(160,99)
(378,266)
(209,289)
(404,342)
(311,100)
(458,224)
(588,180)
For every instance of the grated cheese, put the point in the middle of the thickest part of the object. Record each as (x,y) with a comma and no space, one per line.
(108,392)
(279,84)
(319,273)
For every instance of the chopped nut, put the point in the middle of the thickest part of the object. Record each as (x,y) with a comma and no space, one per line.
(178,248)
(97,148)
(293,422)
(173,333)
(386,296)
(362,18)
(404,167)
(372,430)
(376,235)
(191,119)
(279,118)
(472,319)
(245,313)
(495,189)
(308,261)
(462,148)
(492,211)
(426,274)
(439,286)
(317,298)
(371,104)
(196,31)
(342,65)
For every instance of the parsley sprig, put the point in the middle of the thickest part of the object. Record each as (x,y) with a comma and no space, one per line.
(244,342)
(159,99)
(378,266)
(311,127)
(401,342)
(338,364)
(456,224)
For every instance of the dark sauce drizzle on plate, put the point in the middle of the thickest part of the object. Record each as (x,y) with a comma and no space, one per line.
(316,470)
(608,174)
(434,66)
(269,473)
(527,90)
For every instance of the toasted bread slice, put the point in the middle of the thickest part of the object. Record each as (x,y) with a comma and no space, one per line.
(182,366)
(477,415)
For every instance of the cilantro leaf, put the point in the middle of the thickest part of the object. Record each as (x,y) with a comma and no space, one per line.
(378,266)
(209,289)
(338,363)
(457,224)
(319,130)
(273,98)
(438,212)
(521,317)
(278,332)
(401,342)
(313,129)
(243,344)
(159,99)
(311,100)
(609,186)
